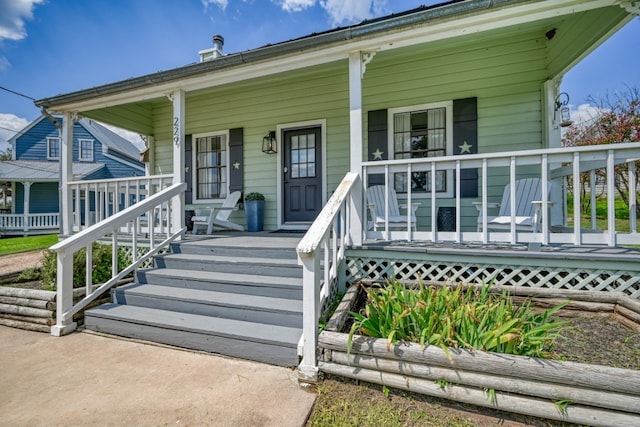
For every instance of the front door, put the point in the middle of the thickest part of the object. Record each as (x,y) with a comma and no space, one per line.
(302,175)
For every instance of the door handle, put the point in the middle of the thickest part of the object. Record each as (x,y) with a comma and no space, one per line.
(285,170)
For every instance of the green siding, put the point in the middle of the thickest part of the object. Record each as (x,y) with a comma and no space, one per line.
(258,106)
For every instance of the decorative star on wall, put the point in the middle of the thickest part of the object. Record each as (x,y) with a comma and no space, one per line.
(236,165)
(377,155)
(465,148)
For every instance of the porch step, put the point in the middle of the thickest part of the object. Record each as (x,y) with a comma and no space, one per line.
(269,250)
(283,267)
(237,283)
(250,308)
(248,340)
(237,296)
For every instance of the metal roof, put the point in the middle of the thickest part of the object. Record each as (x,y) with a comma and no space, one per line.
(111,139)
(39,171)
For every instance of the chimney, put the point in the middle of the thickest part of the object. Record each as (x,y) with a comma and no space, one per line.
(215,51)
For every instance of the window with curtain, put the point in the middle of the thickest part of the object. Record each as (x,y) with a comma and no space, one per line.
(211,167)
(416,134)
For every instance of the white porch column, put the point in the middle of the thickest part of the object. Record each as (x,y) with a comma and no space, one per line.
(553,139)
(356,145)
(178,154)
(25,204)
(66,174)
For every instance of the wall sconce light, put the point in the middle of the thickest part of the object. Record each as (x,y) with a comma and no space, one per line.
(562,105)
(269,143)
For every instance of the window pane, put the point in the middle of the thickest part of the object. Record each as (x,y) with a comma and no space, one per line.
(303,170)
(311,140)
(294,171)
(211,162)
(419,120)
(294,156)
(294,142)
(311,170)
(303,156)
(311,155)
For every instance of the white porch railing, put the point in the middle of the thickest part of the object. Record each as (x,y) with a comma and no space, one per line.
(129,218)
(553,166)
(28,222)
(325,241)
(93,201)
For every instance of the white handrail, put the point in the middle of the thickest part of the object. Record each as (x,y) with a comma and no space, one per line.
(66,248)
(329,234)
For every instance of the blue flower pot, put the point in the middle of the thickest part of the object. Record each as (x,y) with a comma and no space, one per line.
(254,209)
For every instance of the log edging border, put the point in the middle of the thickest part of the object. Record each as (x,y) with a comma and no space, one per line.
(599,395)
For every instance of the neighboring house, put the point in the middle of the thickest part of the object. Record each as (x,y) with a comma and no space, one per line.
(34,170)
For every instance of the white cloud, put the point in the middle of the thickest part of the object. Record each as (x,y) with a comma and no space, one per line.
(10,124)
(222,4)
(13,14)
(585,114)
(128,135)
(296,5)
(350,11)
(4,63)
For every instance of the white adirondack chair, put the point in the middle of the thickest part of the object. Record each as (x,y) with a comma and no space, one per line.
(375,203)
(528,207)
(218,216)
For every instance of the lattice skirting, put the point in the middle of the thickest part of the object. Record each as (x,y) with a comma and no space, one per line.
(585,277)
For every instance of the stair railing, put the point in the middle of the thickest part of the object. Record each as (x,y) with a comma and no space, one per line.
(325,241)
(154,210)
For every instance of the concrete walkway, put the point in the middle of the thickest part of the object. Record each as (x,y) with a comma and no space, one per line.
(88,380)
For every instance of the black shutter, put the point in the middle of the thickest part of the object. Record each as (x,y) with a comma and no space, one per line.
(236,163)
(377,132)
(188,169)
(465,134)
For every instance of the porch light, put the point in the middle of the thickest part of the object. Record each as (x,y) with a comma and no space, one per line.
(562,104)
(269,143)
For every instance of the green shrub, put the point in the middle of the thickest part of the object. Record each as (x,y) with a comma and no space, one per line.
(473,319)
(101,264)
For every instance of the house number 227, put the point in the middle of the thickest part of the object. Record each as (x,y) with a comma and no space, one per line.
(176,131)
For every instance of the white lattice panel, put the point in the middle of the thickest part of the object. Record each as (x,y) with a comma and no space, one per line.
(578,279)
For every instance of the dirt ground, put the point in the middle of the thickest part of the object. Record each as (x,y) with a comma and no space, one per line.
(17,262)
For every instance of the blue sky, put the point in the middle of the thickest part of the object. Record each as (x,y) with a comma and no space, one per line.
(48,47)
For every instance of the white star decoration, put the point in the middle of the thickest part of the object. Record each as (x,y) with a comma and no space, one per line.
(236,165)
(465,148)
(377,155)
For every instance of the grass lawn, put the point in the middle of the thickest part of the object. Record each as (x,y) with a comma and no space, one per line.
(12,245)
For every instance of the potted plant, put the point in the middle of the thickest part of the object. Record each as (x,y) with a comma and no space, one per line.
(254,209)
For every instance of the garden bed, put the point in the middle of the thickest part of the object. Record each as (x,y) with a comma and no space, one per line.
(561,390)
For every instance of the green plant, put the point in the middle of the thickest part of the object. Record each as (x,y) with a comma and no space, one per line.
(491,395)
(562,406)
(474,319)
(253,196)
(322,322)
(100,262)
(386,391)
(443,384)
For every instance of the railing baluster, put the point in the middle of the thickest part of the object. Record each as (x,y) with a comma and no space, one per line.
(577,237)
(485,200)
(633,202)
(458,206)
(611,197)
(545,199)
(434,228)
(387,233)
(592,199)
(512,198)
(409,208)
(88,262)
